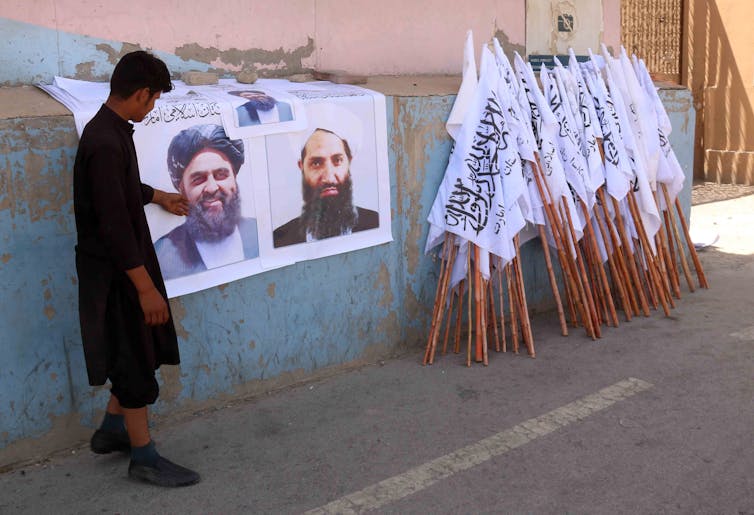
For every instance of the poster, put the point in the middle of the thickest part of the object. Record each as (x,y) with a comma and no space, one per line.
(274,172)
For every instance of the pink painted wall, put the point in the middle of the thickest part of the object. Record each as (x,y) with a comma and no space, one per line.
(360,36)
(611,23)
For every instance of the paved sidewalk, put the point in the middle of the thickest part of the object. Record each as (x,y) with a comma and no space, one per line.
(656,417)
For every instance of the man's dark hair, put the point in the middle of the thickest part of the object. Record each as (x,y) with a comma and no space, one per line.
(346,147)
(138,70)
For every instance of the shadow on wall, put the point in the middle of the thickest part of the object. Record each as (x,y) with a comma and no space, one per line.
(724,145)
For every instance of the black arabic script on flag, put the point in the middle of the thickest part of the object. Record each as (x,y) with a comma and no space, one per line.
(471,200)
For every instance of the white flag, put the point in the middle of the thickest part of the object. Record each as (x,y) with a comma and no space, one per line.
(467,90)
(669,171)
(569,146)
(545,128)
(647,207)
(618,170)
(643,116)
(531,205)
(590,125)
(646,81)
(470,200)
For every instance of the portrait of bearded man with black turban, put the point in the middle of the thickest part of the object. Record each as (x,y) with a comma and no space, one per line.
(203,164)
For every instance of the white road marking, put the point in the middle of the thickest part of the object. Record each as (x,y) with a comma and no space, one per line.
(419,478)
(745,334)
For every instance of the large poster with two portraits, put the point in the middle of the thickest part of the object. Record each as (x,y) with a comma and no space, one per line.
(274,173)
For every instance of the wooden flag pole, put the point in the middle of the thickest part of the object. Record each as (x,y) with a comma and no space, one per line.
(671,251)
(484,309)
(459,317)
(679,241)
(526,323)
(441,311)
(569,300)
(663,261)
(663,268)
(649,259)
(618,252)
(582,282)
(592,309)
(477,306)
(502,303)
(626,245)
(492,311)
(617,277)
(690,244)
(570,274)
(641,264)
(440,279)
(448,323)
(553,281)
(591,275)
(600,268)
(667,261)
(512,308)
(470,284)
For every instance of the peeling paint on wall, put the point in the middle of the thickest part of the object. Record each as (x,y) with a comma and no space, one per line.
(414,143)
(508,47)
(171,386)
(87,70)
(113,56)
(179,313)
(267,62)
(382,282)
(271,290)
(30,180)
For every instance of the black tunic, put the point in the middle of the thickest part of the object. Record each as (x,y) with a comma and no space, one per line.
(294,231)
(113,236)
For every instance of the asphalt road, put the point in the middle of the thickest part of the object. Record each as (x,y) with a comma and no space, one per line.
(656,417)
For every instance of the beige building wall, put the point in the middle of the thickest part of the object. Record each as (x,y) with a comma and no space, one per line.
(387,37)
(719,70)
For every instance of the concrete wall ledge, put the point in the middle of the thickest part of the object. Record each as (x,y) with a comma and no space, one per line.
(31,102)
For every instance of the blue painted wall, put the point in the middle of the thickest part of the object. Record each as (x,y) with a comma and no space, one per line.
(31,53)
(238,339)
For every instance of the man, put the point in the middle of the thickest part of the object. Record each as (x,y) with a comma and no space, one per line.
(203,164)
(126,325)
(327,190)
(261,108)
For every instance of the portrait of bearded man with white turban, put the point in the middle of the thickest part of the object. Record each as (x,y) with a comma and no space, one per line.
(203,164)
(325,154)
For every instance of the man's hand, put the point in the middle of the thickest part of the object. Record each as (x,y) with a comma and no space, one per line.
(171,202)
(152,302)
(154,307)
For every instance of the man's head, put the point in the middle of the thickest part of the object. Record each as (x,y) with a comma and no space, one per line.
(259,100)
(327,188)
(203,164)
(137,81)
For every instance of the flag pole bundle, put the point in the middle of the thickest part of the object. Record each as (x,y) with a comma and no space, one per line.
(581,162)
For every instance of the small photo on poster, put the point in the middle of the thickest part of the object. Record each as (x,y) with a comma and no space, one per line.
(260,107)
(251,110)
